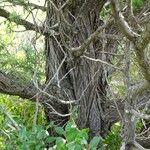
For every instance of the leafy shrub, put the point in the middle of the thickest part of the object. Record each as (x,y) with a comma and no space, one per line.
(37,137)
(27,139)
(22,112)
(69,138)
(138,3)
(113,139)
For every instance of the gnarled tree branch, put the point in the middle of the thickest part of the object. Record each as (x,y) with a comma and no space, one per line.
(121,22)
(28,25)
(140,45)
(27,4)
(10,85)
(140,42)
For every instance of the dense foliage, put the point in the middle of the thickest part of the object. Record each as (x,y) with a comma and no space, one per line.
(30,136)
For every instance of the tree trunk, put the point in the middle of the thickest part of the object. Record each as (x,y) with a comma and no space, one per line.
(86,81)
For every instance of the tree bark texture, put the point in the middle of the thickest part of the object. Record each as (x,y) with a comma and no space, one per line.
(87,81)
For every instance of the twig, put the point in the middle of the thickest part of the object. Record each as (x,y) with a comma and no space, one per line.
(101,61)
(78,51)
(138,146)
(140,115)
(10,118)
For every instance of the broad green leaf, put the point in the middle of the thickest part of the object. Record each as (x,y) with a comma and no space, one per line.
(41,134)
(84,133)
(50,139)
(59,130)
(70,145)
(60,141)
(78,147)
(69,126)
(94,142)
(50,125)
(72,134)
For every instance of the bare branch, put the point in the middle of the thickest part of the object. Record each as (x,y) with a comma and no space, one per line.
(9,117)
(56,98)
(10,85)
(139,89)
(140,45)
(140,42)
(129,7)
(144,141)
(140,115)
(138,146)
(123,25)
(144,40)
(27,4)
(64,5)
(54,111)
(143,132)
(101,61)
(28,25)
(78,51)
(145,18)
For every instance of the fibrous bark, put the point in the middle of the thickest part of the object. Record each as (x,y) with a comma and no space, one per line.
(86,82)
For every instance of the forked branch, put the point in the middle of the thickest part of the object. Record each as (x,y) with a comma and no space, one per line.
(27,4)
(121,22)
(28,25)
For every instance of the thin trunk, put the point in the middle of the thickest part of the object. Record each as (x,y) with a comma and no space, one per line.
(129,119)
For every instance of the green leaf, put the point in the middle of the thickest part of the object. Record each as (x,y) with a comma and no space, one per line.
(59,130)
(84,133)
(60,141)
(78,147)
(94,142)
(41,134)
(70,145)
(50,125)
(23,134)
(69,126)
(14,17)
(72,134)
(83,142)
(137,3)
(50,139)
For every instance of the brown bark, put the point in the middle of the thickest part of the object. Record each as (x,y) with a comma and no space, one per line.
(87,81)
(11,85)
